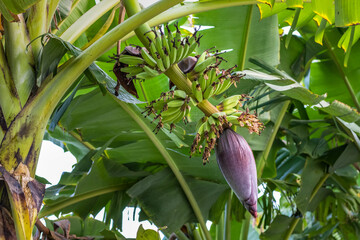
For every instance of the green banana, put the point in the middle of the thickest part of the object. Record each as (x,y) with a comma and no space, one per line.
(202,81)
(237,113)
(160,54)
(176,117)
(202,57)
(151,71)
(218,114)
(160,63)
(149,60)
(212,75)
(169,35)
(211,121)
(196,90)
(229,111)
(180,50)
(187,114)
(166,49)
(171,43)
(144,75)
(131,60)
(186,48)
(180,94)
(231,102)
(192,48)
(224,86)
(177,39)
(209,92)
(201,66)
(158,43)
(173,52)
(175,103)
(232,119)
(170,111)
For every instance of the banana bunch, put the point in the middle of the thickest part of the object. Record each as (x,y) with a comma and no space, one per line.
(210,128)
(207,79)
(229,108)
(165,49)
(208,131)
(171,107)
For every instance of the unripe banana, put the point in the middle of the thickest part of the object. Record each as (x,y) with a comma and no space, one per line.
(202,57)
(177,39)
(170,111)
(177,116)
(132,69)
(175,103)
(180,94)
(144,75)
(196,89)
(224,86)
(202,81)
(211,120)
(151,71)
(180,50)
(200,67)
(212,75)
(193,45)
(209,92)
(149,60)
(231,102)
(166,49)
(187,114)
(237,114)
(218,114)
(186,48)
(229,111)
(131,60)
(155,54)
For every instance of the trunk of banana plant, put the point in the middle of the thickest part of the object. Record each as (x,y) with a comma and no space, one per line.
(22,125)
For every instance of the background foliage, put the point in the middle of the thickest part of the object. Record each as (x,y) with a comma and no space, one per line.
(305,89)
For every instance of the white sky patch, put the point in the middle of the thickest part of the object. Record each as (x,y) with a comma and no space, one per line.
(131,225)
(287,29)
(53,161)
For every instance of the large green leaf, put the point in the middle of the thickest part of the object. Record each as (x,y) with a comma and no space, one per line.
(77,10)
(291,88)
(347,13)
(160,196)
(278,228)
(228,32)
(313,172)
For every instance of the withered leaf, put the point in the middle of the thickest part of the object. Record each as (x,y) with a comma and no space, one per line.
(64,225)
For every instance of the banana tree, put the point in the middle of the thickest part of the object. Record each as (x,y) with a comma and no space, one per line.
(56,80)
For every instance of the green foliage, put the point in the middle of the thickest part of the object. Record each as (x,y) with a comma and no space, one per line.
(303,86)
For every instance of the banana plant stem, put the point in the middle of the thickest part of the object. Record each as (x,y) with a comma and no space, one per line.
(245,39)
(169,160)
(292,226)
(245,227)
(228,217)
(265,153)
(342,72)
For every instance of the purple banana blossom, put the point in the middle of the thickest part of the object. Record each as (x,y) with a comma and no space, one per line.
(237,164)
